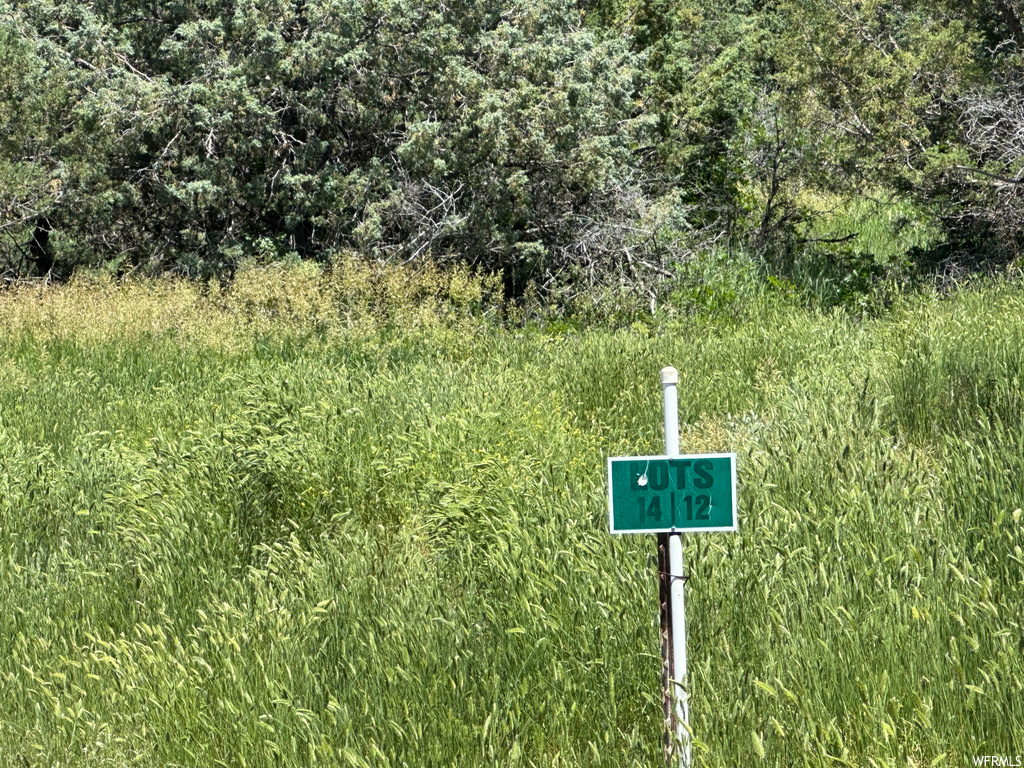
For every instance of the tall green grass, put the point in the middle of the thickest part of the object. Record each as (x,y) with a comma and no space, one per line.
(348,519)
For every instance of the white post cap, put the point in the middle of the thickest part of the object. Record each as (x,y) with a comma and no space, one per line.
(669,375)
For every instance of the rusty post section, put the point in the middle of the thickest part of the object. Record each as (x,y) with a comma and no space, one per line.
(667,667)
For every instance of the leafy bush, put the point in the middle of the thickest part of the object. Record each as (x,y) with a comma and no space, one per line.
(498,135)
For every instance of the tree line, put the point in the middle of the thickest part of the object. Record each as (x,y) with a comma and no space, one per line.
(554,142)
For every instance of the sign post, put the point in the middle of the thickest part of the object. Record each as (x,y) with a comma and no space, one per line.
(676,580)
(669,495)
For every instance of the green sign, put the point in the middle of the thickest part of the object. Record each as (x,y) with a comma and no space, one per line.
(654,494)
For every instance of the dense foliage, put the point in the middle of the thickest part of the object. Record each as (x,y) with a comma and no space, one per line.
(603,141)
(346,519)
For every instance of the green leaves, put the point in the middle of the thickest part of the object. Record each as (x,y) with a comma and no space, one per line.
(471,132)
(563,145)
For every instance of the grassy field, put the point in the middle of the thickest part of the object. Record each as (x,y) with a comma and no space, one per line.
(350,520)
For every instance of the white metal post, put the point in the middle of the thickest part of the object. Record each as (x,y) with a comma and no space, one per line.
(678,681)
